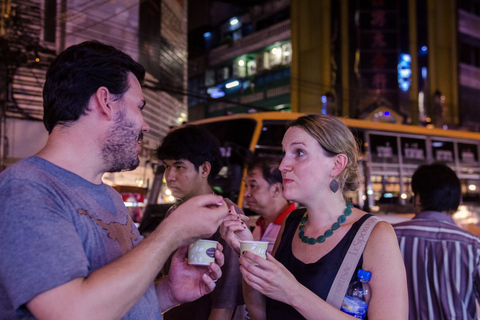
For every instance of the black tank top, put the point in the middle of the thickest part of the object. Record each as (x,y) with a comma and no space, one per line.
(318,276)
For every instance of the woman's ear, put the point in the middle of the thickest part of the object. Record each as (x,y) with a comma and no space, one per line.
(339,164)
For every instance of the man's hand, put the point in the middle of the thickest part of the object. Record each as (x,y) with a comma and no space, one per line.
(196,218)
(186,282)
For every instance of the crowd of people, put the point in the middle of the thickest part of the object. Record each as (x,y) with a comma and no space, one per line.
(69,249)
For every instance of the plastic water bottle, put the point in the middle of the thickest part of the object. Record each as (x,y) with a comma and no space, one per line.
(358,295)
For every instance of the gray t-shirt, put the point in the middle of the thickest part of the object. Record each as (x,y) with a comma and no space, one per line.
(56,226)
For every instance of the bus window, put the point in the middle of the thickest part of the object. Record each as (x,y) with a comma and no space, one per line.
(270,139)
(468,157)
(414,150)
(235,137)
(443,151)
(383,149)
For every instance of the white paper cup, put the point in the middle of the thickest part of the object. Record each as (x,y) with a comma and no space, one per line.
(257,247)
(202,252)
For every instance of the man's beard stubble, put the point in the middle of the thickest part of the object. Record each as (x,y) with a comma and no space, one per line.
(119,150)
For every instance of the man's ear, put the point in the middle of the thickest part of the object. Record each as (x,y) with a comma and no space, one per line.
(417,204)
(339,164)
(416,200)
(102,99)
(277,189)
(205,169)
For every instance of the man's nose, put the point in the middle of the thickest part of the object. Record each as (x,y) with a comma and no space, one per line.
(145,127)
(169,175)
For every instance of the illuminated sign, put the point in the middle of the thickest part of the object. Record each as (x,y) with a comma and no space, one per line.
(232,84)
(404,72)
(215,92)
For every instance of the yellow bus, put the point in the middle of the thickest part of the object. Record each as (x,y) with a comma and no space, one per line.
(390,153)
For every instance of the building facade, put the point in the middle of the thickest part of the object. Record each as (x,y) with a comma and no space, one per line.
(413,62)
(151,32)
(244,60)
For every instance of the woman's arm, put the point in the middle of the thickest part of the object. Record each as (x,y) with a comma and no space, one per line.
(270,278)
(381,257)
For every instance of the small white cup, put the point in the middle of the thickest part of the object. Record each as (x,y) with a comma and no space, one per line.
(257,247)
(202,252)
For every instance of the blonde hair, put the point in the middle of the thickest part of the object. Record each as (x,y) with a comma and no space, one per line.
(335,138)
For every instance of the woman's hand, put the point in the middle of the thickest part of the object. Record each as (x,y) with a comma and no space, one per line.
(268,276)
(234,229)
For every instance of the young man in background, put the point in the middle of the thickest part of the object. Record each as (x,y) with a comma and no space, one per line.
(192,159)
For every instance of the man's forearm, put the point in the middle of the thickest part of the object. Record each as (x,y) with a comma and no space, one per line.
(111,291)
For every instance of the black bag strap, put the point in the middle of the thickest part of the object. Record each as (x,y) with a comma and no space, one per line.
(349,264)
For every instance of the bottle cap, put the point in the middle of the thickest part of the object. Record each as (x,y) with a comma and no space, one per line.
(365,275)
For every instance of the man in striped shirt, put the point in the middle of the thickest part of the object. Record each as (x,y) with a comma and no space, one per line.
(442,260)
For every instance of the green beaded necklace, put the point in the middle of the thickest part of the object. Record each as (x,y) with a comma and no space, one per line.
(329,232)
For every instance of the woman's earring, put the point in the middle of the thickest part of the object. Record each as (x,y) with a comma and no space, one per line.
(334,185)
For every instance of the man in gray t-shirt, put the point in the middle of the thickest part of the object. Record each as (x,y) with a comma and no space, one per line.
(68,246)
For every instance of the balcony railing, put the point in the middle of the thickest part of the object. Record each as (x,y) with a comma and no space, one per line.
(255,41)
(469,76)
(469,24)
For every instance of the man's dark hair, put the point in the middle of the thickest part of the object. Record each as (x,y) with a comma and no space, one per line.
(438,187)
(269,168)
(76,74)
(193,143)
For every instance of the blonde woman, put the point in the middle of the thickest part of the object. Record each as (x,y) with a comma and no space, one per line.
(320,162)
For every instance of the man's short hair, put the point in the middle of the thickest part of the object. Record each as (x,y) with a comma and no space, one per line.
(193,143)
(77,73)
(269,168)
(438,187)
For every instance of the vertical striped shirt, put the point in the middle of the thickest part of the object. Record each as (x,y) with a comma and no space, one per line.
(442,262)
